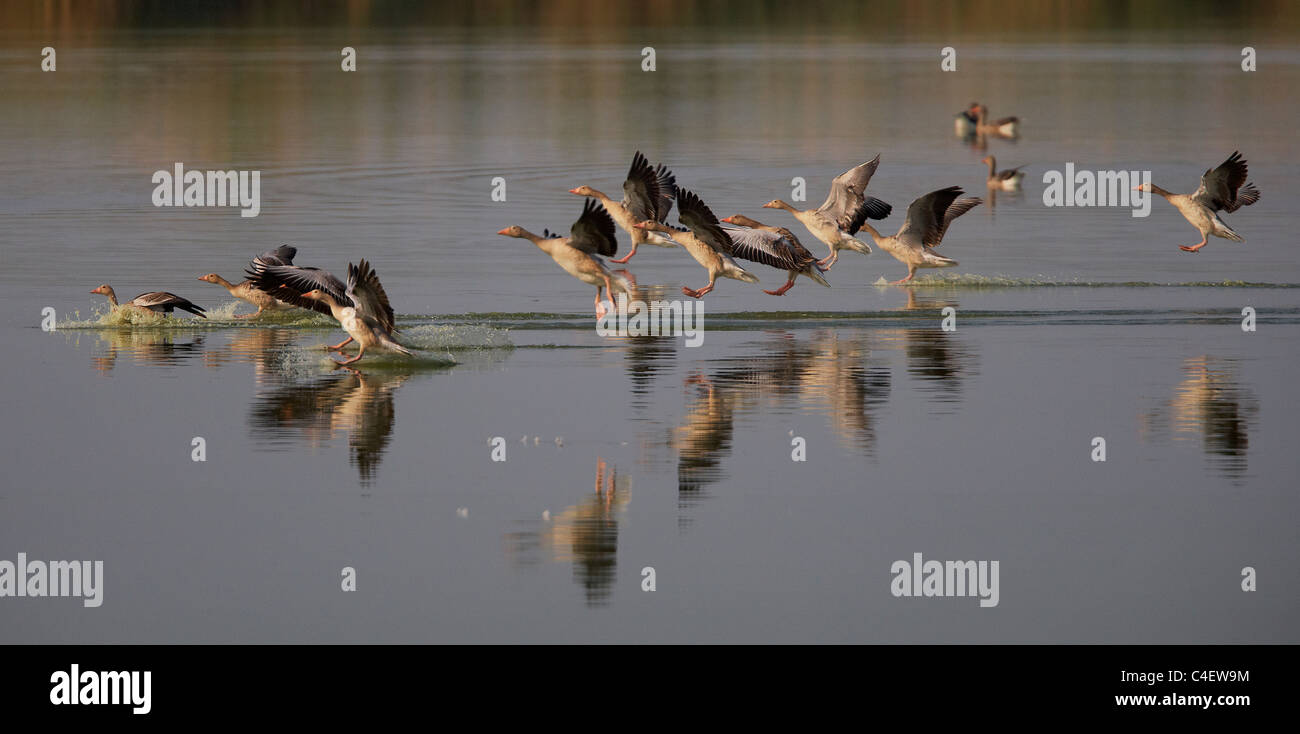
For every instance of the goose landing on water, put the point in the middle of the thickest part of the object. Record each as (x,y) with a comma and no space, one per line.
(1221,189)
(245,291)
(361,307)
(842,214)
(155,301)
(777,247)
(928,218)
(706,241)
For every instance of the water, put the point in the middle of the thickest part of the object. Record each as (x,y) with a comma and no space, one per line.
(633,453)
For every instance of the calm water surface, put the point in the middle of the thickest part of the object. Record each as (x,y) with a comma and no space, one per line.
(623,454)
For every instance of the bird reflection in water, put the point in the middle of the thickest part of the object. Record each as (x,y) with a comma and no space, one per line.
(157,347)
(1210,403)
(584,535)
(313,410)
(939,361)
(823,374)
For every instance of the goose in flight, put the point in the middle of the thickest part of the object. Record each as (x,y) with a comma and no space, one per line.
(775,246)
(648,193)
(155,301)
(928,218)
(1221,189)
(842,214)
(706,241)
(592,236)
(245,291)
(361,307)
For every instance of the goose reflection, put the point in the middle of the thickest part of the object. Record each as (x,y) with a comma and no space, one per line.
(940,361)
(156,347)
(1210,403)
(584,535)
(312,411)
(825,374)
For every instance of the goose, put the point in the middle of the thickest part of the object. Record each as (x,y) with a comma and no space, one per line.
(245,291)
(964,122)
(778,247)
(1221,188)
(648,193)
(842,214)
(706,241)
(361,307)
(155,301)
(591,236)
(1006,127)
(928,218)
(1008,180)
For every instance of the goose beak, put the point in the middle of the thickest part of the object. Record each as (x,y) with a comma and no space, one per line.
(573,191)
(504,231)
(728,220)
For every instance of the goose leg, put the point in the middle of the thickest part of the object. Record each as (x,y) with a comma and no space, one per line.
(600,307)
(252,315)
(910,273)
(781,291)
(1204,238)
(826,262)
(359,353)
(338,347)
(700,293)
(626,257)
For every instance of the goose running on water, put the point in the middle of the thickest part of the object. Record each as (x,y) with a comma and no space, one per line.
(155,301)
(928,219)
(591,236)
(247,292)
(648,193)
(361,307)
(842,214)
(1221,189)
(775,246)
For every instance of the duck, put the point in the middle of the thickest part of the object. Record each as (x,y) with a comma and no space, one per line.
(1221,189)
(245,291)
(964,122)
(706,241)
(842,214)
(361,307)
(1006,127)
(1008,180)
(155,301)
(648,193)
(778,247)
(592,236)
(928,218)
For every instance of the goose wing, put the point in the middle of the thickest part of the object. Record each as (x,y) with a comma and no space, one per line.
(287,283)
(165,300)
(282,255)
(696,215)
(648,191)
(594,232)
(769,248)
(1221,188)
(929,217)
(368,296)
(848,191)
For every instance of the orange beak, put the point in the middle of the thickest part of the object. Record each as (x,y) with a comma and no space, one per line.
(504,231)
(728,220)
(573,190)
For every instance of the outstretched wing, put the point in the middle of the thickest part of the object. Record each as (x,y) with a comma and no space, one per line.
(769,248)
(929,217)
(165,300)
(1220,186)
(696,215)
(848,190)
(282,255)
(594,232)
(287,283)
(368,296)
(648,192)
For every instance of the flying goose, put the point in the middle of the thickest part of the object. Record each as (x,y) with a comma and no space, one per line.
(245,291)
(648,193)
(1221,189)
(591,236)
(775,246)
(928,218)
(706,241)
(842,214)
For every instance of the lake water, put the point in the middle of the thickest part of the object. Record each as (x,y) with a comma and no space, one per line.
(624,454)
